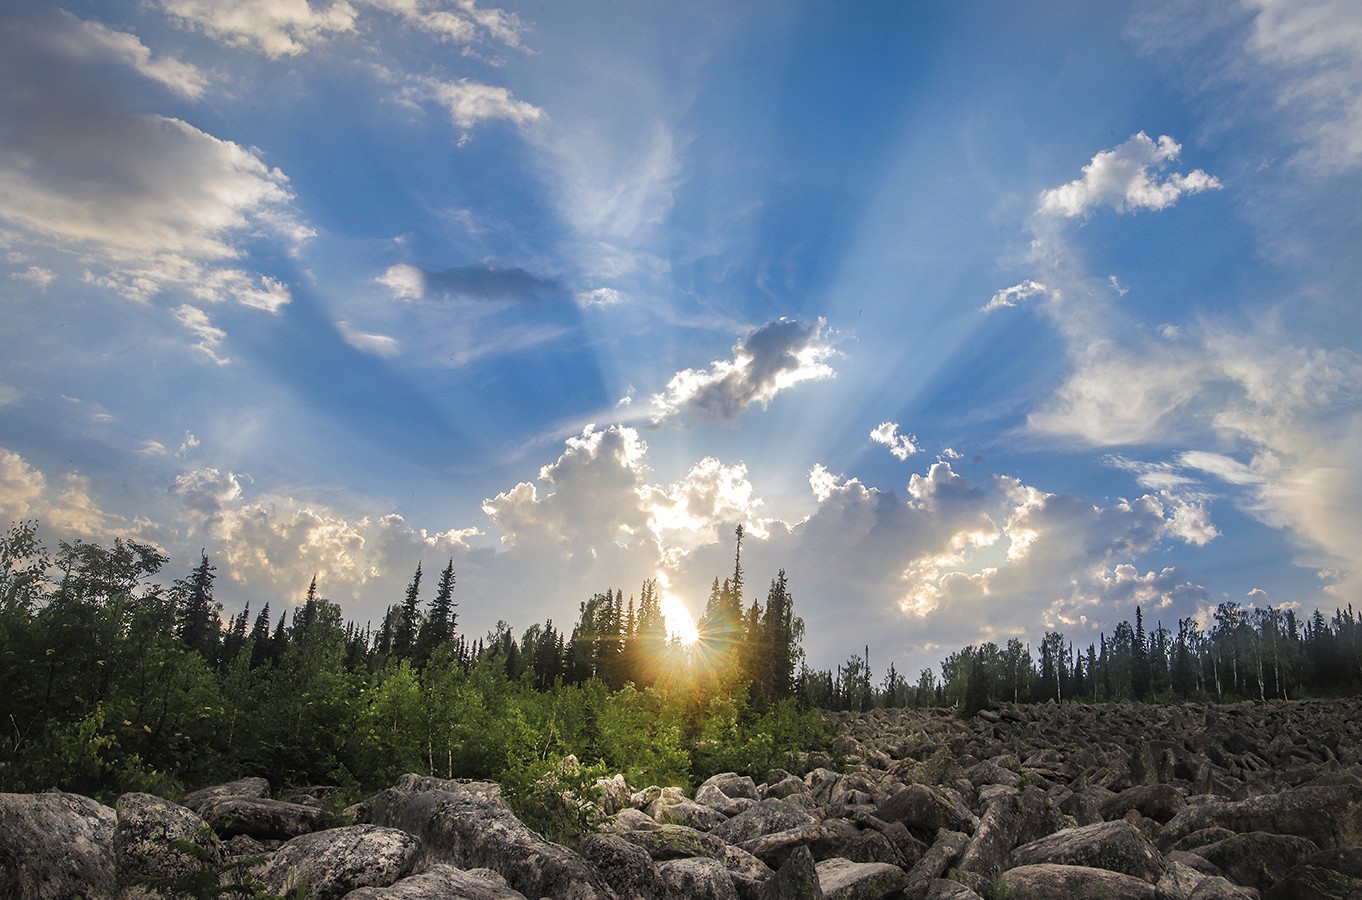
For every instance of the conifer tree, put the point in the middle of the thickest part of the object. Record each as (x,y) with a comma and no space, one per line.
(408,618)
(438,626)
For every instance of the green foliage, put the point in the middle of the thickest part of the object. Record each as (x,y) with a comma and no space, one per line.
(212,876)
(558,799)
(998,887)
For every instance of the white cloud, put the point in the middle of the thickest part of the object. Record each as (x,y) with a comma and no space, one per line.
(368,342)
(901,445)
(600,297)
(9,394)
(275,28)
(1122,179)
(1014,295)
(210,337)
(471,103)
(36,276)
(404,281)
(145,202)
(769,360)
(94,40)
(65,506)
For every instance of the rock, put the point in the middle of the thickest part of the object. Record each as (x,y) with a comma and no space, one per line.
(993,840)
(1345,860)
(1331,816)
(926,809)
(668,842)
(1159,802)
(731,785)
(143,839)
(944,889)
(260,817)
(1214,887)
(625,866)
(1113,846)
(785,787)
(683,811)
(1051,881)
(1257,859)
(55,846)
(614,794)
(629,819)
(469,825)
(940,856)
(443,882)
(329,864)
(842,879)
(1178,881)
(247,787)
(1201,838)
(749,874)
(796,880)
(766,817)
(700,878)
(1306,882)
(823,840)
(722,803)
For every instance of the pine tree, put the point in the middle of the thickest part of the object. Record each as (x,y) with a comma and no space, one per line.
(260,638)
(198,625)
(438,626)
(408,619)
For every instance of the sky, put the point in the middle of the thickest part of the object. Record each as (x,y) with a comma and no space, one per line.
(983,319)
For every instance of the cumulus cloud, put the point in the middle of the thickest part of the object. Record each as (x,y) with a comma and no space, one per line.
(63,504)
(1127,178)
(37,276)
(145,202)
(770,359)
(267,26)
(901,445)
(1014,295)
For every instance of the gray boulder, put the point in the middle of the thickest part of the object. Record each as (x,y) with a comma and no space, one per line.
(670,810)
(443,882)
(143,839)
(993,840)
(469,825)
(765,817)
(823,840)
(1113,846)
(1159,802)
(624,865)
(796,880)
(261,817)
(926,809)
(1178,881)
(700,878)
(842,879)
(731,785)
(330,864)
(669,842)
(56,846)
(1051,881)
(1257,859)
(1329,815)
(940,856)
(1214,887)
(245,787)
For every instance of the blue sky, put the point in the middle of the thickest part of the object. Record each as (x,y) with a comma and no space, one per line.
(983,319)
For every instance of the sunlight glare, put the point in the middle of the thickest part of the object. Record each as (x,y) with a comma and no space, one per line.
(680,623)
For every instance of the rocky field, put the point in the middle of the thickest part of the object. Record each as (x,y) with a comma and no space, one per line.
(1113,801)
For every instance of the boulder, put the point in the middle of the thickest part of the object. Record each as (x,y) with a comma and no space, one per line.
(765,817)
(993,840)
(731,785)
(945,889)
(1257,859)
(787,786)
(842,879)
(443,882)
(940,856)
(796,880)
(1159,802)
(1214,887)
(749,874)
(1051,881)
(926,809)
(615,794)
(684,811)
(143,839)
(469,825)
(1329,815)
(330,864)
(823,840)
(245,787)
(668,842)
(1113,846)
(624,865)
(55,846)
(1178,881)
(1306,882)
(700,878)
(260,817)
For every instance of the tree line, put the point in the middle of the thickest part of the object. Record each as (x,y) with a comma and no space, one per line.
(112,681)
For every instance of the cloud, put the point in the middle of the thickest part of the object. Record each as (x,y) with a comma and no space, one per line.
(63,505)
(378,344)
(36,276)
(144,202)
(470,103)
(210,337)
(901,445)
(770,359)
(600,297)
(1014,295)
(92,40)
(1122,179)
(468,283)
(267,26)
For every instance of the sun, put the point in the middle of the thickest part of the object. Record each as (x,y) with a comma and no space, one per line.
(680,623)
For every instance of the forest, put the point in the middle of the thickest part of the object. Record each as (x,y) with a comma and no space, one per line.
(112,681)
